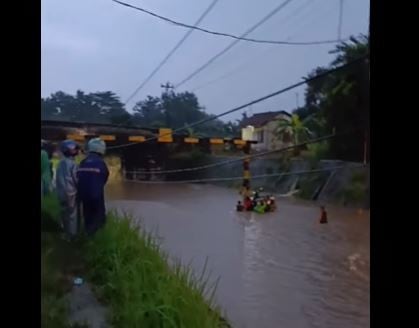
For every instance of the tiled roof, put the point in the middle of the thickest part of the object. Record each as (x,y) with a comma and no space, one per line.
(260,119)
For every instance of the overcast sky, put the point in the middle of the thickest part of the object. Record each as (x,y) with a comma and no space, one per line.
(98,45)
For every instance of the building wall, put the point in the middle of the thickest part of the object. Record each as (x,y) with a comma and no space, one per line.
(265,136)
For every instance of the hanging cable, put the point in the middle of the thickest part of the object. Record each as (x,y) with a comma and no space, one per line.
(171,52)
(276,93)
(253,177)
(237,38)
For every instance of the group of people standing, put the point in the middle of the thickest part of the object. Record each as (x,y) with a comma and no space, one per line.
(78,186)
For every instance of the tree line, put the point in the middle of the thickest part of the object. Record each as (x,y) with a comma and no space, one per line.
(338,102)
(171,110)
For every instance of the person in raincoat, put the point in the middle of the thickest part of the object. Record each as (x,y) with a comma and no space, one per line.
(66,187)
(46,177)
(92,177)
(260,207)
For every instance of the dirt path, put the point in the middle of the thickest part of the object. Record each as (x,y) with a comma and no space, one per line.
(85,308)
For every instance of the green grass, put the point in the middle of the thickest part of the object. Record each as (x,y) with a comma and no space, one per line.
(60,261)
(134,278)
(130,274)
(355,192)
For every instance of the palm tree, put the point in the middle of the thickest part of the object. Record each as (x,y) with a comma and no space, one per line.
(295,129)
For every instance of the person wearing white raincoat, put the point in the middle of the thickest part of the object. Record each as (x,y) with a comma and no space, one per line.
(66,187)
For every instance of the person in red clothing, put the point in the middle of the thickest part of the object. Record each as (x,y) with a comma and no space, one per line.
(248,206)
(323,215)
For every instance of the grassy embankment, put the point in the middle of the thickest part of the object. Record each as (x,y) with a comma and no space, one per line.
(130,275)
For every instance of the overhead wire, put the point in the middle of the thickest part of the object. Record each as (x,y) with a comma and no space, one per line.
(238,68)
(232,44)
(237,38)
(250,156)
(241,158)
(253,177)
(311,19)
(273,94)
(273,12)
(171,52)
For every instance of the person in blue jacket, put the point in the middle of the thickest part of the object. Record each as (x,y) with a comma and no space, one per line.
(92,177)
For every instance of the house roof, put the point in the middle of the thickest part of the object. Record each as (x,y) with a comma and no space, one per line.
(260,119)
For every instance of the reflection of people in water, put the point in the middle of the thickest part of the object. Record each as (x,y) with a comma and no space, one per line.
(149,166)
(267,202)
(272,204)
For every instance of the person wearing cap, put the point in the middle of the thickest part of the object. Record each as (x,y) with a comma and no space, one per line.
(92,177)
(66,187)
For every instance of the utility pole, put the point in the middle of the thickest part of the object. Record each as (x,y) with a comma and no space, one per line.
(297,99)
(246,172)
(167,87)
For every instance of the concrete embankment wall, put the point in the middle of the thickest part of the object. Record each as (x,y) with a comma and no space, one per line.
(346,185)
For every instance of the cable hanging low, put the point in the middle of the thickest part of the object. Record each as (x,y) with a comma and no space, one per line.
(289,43)
(253,102)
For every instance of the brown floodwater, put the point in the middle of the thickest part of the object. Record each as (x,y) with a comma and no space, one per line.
(280,269)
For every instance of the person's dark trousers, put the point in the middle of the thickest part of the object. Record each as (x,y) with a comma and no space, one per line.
(94,214)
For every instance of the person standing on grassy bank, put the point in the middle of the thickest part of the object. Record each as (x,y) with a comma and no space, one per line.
(92,177)
(46,176)
(66,186)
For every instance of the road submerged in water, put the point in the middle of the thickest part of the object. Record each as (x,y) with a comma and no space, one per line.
(280,269)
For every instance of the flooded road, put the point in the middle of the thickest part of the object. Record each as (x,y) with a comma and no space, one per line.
(280,269)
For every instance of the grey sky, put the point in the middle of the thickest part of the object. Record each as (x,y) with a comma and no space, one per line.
(98,45)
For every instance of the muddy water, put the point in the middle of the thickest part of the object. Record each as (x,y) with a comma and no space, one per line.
(280,269)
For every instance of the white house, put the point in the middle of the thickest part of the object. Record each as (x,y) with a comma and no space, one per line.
(261,127)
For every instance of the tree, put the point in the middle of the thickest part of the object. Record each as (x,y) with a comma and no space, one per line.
(341,99)
(148,112)
(181,108)
(295,129)
(98,107)
(171,110)
(178,110)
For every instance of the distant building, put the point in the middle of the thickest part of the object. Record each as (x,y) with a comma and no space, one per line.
(261,127)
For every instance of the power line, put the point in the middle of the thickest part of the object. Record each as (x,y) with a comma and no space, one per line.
(309,20)
(253,177)
(232,44)
(171,52)
(253,102)
(241,158)
(240,67)
(233,71)
(238,38)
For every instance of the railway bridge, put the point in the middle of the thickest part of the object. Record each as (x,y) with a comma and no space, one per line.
(136,146)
